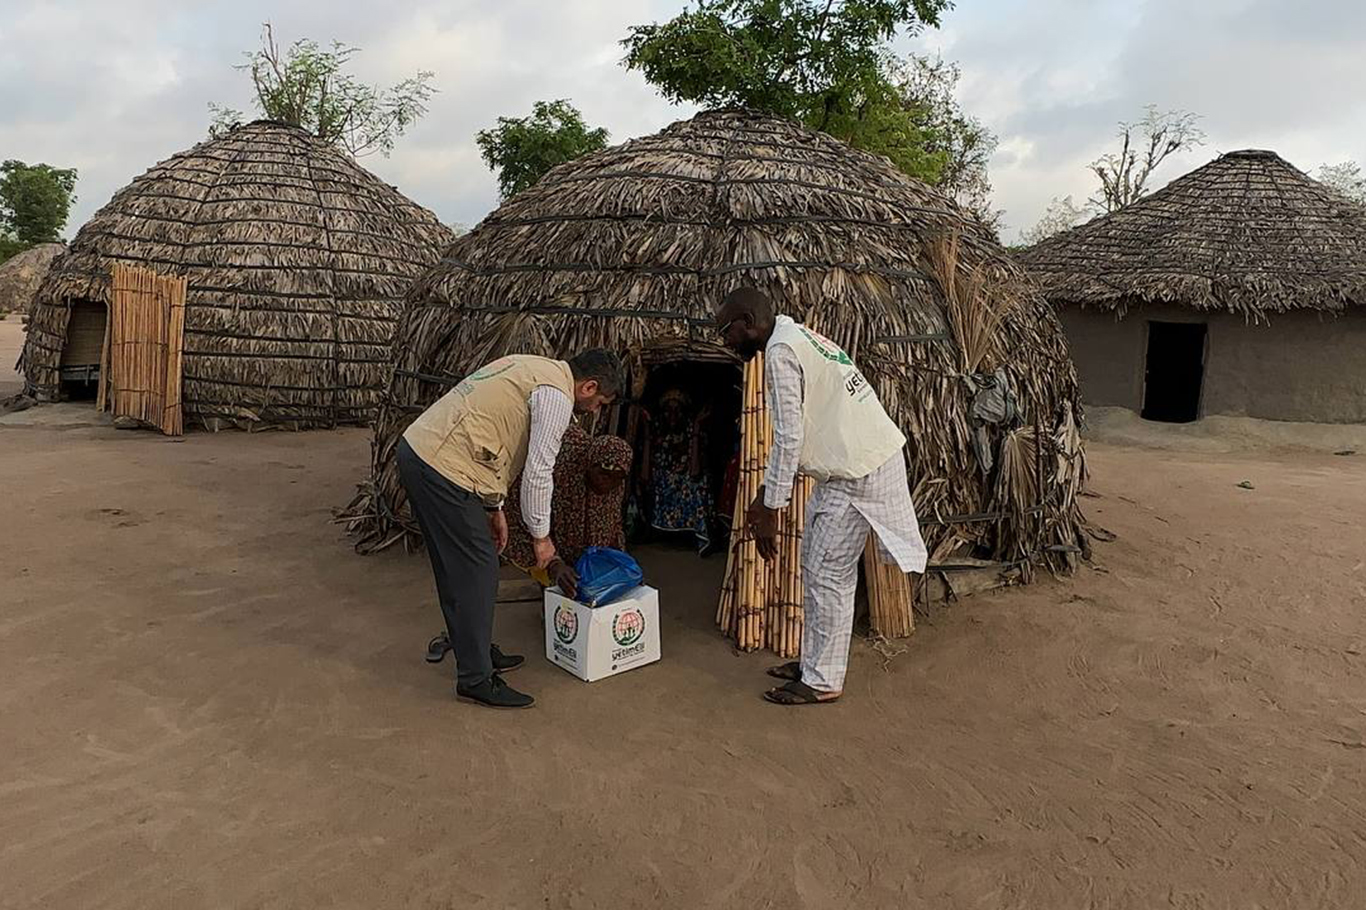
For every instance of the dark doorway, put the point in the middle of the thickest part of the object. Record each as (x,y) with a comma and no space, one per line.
(1175,371)
(84,349)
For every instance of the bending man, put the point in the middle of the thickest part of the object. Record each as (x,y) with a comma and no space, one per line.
(829,425)
(456,462)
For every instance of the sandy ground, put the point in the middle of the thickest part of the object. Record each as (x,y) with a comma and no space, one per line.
(11,343)
(209,701)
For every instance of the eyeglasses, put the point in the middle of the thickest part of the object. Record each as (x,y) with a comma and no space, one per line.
(724,330)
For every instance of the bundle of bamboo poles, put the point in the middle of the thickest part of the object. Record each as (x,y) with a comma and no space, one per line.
(761,603)
(890,604)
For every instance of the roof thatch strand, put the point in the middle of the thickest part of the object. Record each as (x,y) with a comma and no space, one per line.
(1247,233)
(296,259)
(23,273)
(633,247)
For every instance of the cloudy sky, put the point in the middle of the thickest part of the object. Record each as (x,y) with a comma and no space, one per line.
(111,86)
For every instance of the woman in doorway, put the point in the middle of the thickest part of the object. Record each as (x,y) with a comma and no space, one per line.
(672,470)
(585,509)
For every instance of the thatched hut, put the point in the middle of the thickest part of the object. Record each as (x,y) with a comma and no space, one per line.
(1238,289)
(294,259)
(22,273)
(632,248)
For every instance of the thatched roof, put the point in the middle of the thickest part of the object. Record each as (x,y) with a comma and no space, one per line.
(22,273)
(1247,233)
(631,248)
(296,259)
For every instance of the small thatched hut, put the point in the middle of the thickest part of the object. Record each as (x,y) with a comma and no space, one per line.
(295,259)
(22,273)
(1238,289)
(631,248)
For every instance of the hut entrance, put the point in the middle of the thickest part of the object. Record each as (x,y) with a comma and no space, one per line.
(141,367)
(80,364)
(1175,371)
(685,429)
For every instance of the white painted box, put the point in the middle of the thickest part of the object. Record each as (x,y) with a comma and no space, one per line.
(596,642)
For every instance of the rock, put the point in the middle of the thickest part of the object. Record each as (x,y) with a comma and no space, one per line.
(127,423)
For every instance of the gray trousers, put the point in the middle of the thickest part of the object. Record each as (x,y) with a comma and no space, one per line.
(455,529)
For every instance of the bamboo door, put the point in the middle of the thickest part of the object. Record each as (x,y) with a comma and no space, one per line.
(140,372)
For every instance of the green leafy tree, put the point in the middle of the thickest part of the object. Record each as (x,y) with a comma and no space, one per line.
(826,63)
(35,200)
(521,149)
(307,86)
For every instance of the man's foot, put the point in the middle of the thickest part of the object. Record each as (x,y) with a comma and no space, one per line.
(494,693)
(799,693)
(791,670)
(437,648)
(504,662)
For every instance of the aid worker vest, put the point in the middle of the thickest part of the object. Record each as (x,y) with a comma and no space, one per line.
(476,435)
(845,431)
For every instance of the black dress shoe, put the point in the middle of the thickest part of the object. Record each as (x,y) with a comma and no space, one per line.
(494,693)
(437,648)
(504,662)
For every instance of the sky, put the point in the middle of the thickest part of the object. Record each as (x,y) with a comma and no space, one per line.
(112,86)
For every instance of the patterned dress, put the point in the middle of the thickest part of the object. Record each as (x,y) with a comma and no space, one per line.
(681,502)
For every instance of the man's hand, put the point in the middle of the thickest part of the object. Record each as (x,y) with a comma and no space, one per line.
(498,527)
(763,526)
(563,577)
(544,548)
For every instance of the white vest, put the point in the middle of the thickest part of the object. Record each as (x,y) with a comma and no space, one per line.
(845,431)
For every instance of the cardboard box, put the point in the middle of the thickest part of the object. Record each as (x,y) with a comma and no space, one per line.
(596,642)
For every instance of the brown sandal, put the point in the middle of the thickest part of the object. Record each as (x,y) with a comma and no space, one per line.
(799,693)
(792,670)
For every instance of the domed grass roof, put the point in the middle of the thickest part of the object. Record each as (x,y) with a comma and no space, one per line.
(633,247)
(296,259)
(1247,233)
(23,273)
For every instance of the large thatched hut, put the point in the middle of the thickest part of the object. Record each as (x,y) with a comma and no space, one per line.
(294,259)
(1238,289)
(23,273)
(632,248)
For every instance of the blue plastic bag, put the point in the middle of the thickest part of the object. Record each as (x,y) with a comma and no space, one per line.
(606,575)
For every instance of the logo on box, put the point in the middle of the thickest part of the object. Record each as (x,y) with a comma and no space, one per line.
(567,624)
(628,626)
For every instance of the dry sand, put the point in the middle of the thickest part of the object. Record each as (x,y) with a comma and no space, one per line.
(209,701)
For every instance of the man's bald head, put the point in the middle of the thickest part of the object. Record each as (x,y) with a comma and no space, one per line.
(745,321)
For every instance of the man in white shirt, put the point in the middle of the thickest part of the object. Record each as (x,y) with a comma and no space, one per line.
(456,462)
(827,424)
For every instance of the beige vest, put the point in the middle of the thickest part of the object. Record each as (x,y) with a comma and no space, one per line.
(476,434)
(846,433)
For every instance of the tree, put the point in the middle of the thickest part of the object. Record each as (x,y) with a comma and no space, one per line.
(521,149)
(1346,178)
(306,87)
(964,146)
(823,62)
(35,200)
(1062,214)
(1144,145)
